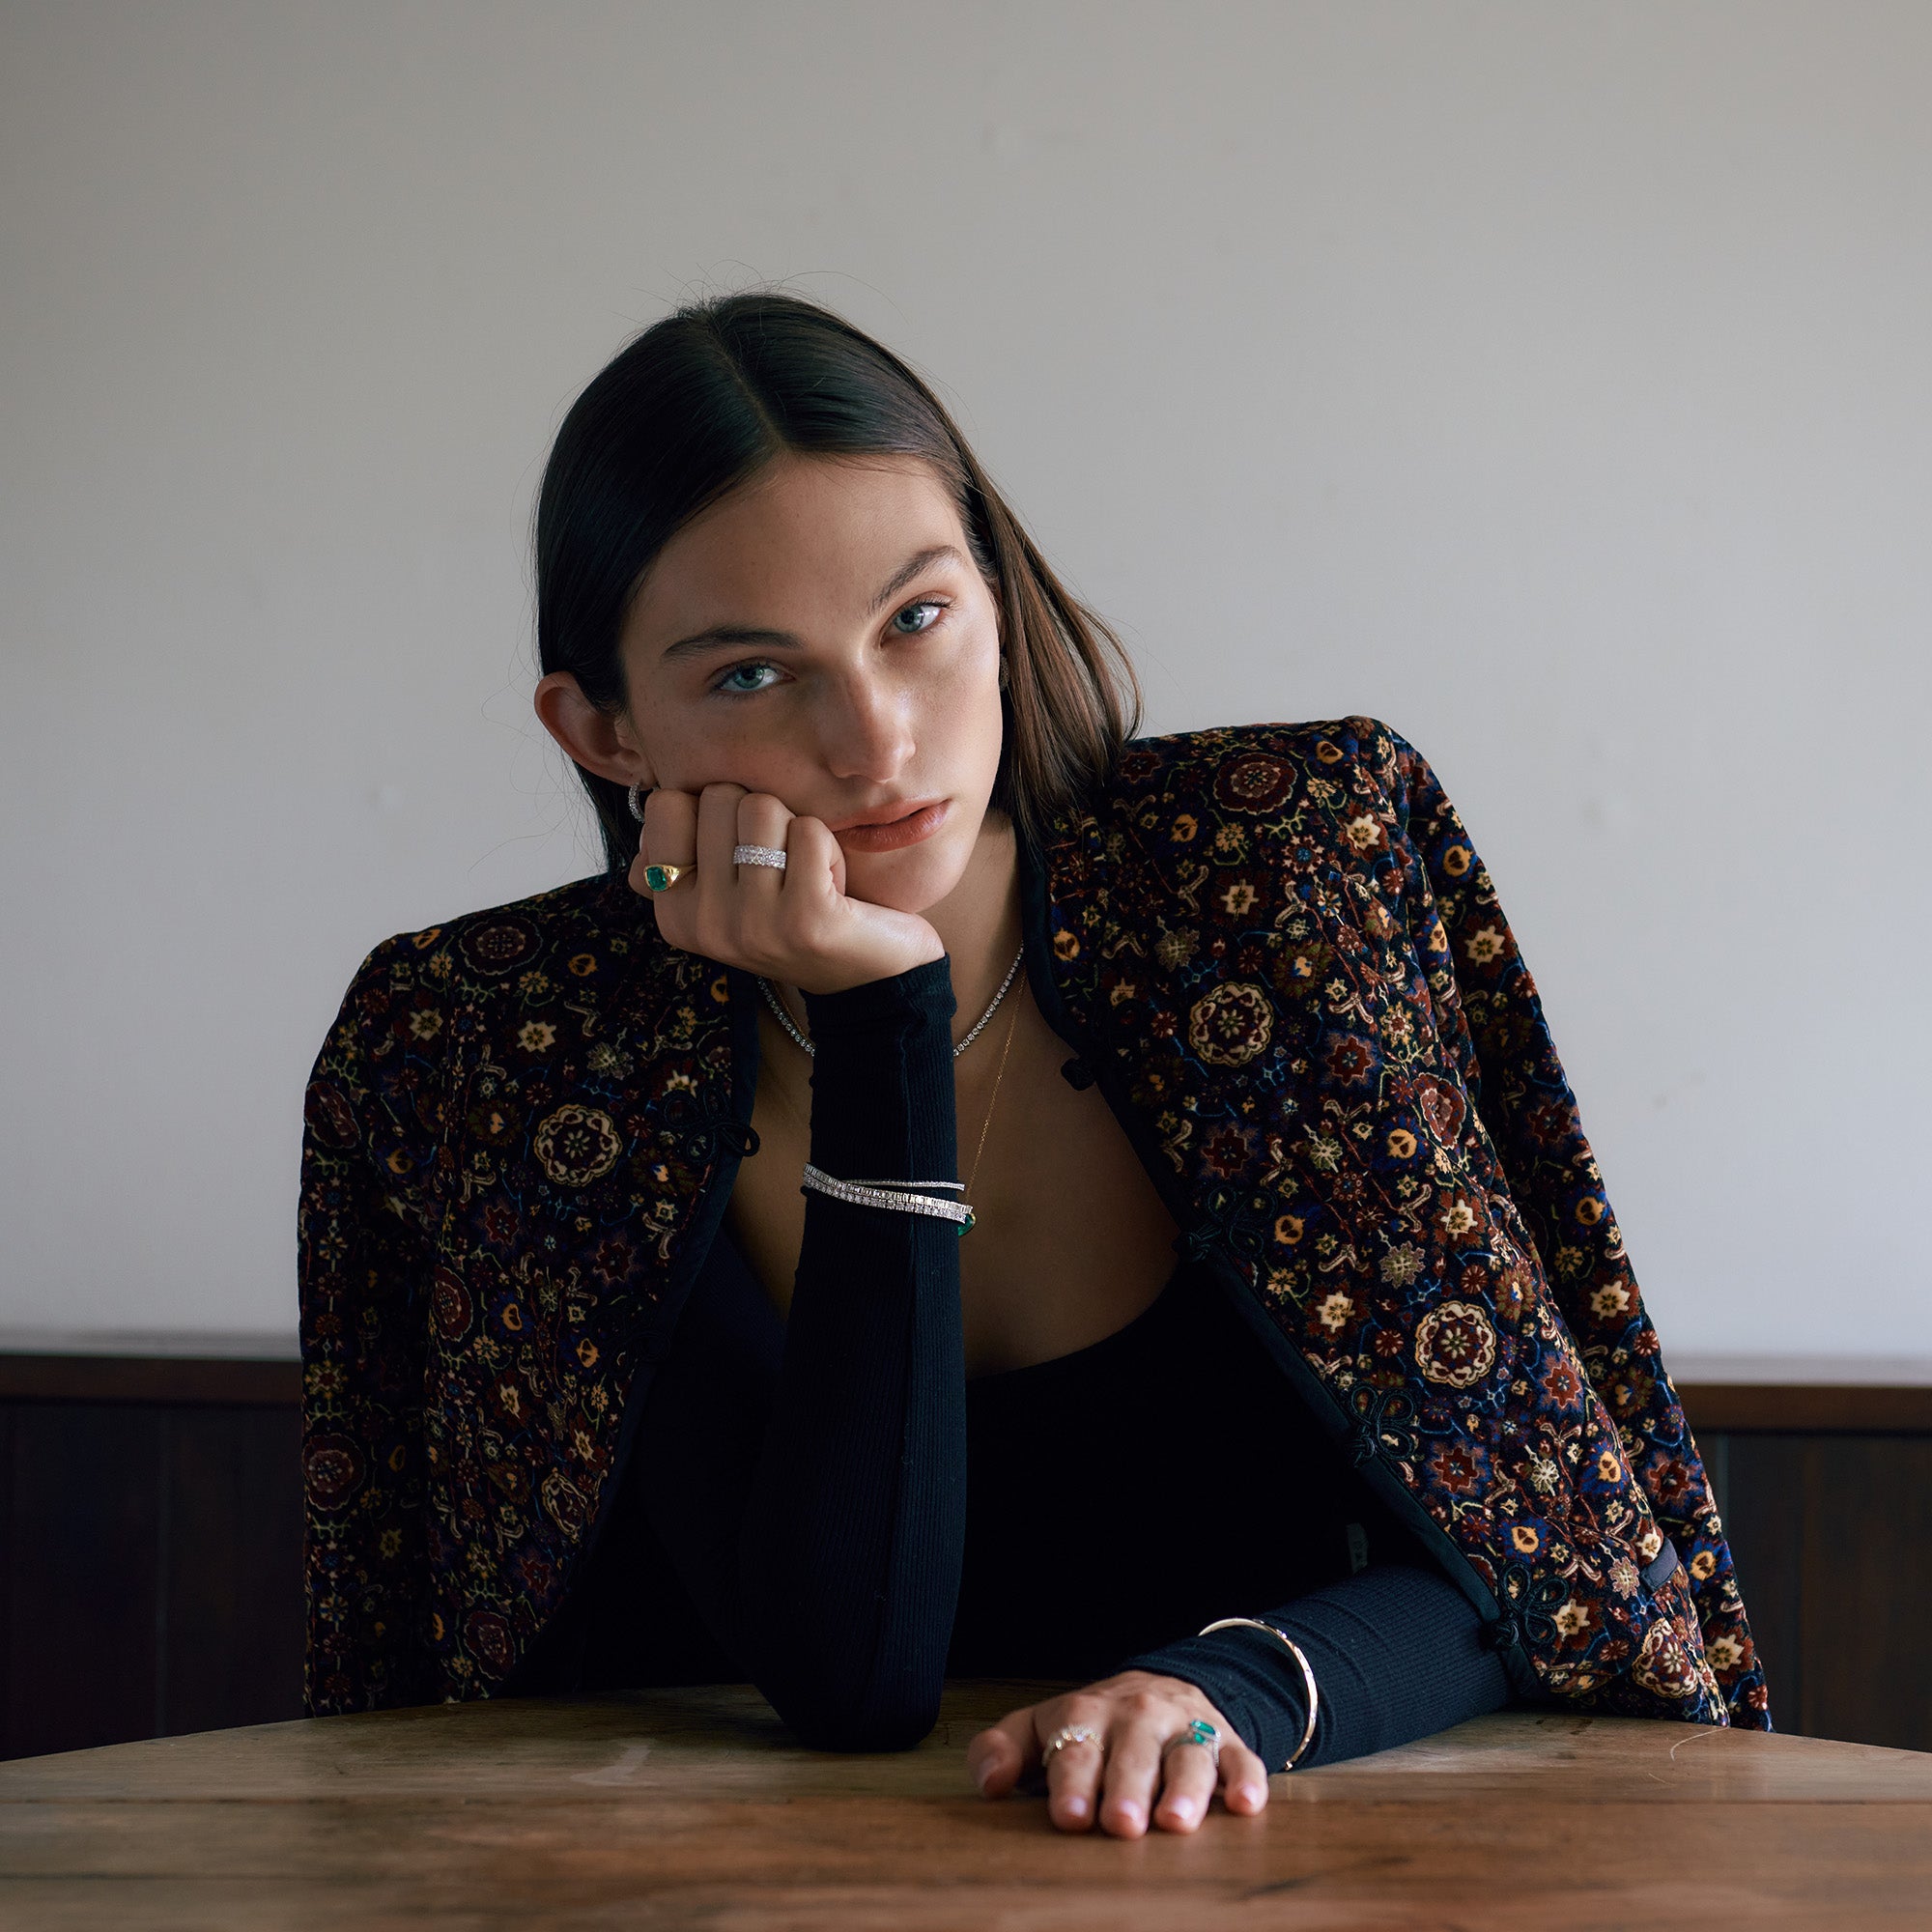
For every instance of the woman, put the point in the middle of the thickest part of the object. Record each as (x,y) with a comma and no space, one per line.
(759,1261)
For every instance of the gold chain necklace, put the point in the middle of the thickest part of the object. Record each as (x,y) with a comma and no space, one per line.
(993,1100)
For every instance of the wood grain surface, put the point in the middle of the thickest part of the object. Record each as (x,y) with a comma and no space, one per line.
(692,1808)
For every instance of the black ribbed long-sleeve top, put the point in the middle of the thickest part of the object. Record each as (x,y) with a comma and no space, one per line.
(853,1521)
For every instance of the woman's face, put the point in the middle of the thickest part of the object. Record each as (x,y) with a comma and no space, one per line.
(823,635)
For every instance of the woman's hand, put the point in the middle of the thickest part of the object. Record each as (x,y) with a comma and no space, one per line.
(1124,1778)
(797,925)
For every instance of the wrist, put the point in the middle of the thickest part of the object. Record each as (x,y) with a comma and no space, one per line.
(915,1000)
(882,1102)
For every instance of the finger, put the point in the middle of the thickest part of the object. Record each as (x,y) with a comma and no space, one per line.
(668,840)
(817,859)
(1188,1778)
(670,836)
(761,821)
(1244,1780)
(1073,1773)
(996,1756)
(717,832)
(1133,1764)
(716,881)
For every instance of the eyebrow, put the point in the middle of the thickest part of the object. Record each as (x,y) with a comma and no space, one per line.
(721,636)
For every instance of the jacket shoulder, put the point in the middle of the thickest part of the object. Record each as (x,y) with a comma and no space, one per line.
(581,936)
(1232,761)
(498,945)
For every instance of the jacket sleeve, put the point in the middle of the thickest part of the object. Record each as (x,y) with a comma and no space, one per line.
(1491,1020)
(362,1244)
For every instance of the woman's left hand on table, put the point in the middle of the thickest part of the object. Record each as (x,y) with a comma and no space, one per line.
(1129,1777)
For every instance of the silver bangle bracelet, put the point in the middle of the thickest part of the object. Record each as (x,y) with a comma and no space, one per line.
(897,1196)
(1279,1636)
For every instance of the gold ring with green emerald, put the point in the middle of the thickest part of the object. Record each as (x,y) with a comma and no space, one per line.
(662,878)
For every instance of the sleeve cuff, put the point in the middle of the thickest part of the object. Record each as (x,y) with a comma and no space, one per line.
(1249,1678)
(882,1105)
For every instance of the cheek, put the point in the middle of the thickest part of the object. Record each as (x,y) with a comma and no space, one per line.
(730,745)
(964,709)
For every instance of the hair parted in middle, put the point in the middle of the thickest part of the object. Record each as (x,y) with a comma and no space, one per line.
(696,407)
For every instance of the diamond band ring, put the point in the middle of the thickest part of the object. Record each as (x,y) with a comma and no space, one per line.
(1069,1734)
(759,854)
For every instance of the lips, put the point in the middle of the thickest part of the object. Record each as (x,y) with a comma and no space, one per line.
(916,825)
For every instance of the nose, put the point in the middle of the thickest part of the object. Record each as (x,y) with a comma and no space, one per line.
(867,729)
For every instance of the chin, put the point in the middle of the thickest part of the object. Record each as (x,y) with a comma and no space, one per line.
(911,881)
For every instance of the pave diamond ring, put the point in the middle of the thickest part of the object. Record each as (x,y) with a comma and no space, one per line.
(759,854)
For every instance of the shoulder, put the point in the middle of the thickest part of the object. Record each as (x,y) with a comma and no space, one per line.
(1260,767)
(582,936)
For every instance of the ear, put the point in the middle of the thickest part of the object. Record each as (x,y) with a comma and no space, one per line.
(592,738)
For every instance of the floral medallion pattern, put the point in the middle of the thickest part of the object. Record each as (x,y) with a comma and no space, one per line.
(1230,1025)
(577,1145)
(1454,1344)
(1283,961)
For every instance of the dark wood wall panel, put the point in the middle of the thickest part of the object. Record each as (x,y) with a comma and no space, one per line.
(151,1560)
(1868,1589)
(1832,1537)
(150,1572)
(232,1609)
(1763,1482)
(82,1576)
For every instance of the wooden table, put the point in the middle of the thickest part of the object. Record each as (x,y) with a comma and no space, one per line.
(687,1808)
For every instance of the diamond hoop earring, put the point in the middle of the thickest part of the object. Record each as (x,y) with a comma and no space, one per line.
(637,803)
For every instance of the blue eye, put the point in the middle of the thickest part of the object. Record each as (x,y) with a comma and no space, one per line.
(731,680)
(925,615)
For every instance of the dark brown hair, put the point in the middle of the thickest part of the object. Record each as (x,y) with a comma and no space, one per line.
(700,403)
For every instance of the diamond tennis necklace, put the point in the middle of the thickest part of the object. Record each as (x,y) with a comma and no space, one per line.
(785,1021)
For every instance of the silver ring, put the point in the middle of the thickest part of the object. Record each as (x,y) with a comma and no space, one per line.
(1202,1733)
(1069,1734)
(759,854)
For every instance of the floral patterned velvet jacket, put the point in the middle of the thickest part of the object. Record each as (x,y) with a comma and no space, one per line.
(1275,948)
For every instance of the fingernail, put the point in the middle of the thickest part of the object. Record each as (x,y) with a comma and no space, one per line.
(1076,1808)
(1183,1809)
(981,1777)
(1132,1814)
(1253,1794)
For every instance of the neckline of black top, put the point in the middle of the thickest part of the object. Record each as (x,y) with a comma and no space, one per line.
(1133,1335)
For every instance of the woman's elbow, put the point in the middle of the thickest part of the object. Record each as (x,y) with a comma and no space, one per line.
(867,1723)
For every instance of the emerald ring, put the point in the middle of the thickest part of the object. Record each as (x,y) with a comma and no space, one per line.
(1200,1732)
(662,878)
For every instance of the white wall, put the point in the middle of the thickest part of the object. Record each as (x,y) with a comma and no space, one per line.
(1549,380)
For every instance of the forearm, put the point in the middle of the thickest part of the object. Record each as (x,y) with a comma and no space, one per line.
(1395,1653)
(832,1560)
